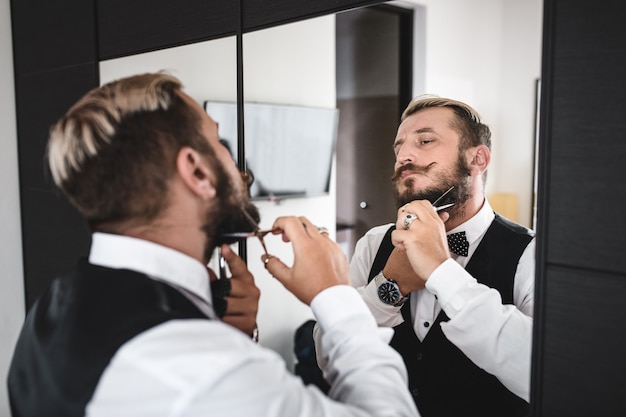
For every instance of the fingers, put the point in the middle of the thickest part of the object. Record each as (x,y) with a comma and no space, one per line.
(289,226)
(293,229)
(419,210)
(318,261)
(242,306)
(242,300)
(408,219)
(300,227)
(297,227)
(312,230)
(276,267)
(322,230)
(420,232)
(237,266)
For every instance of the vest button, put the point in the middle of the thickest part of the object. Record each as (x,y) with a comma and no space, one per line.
(419,356)
(415,392)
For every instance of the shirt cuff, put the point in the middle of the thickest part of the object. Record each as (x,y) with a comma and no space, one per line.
(446,283)
(337,303)
(342,303)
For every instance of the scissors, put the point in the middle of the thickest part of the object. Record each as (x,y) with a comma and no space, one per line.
(408,219)
(445,206)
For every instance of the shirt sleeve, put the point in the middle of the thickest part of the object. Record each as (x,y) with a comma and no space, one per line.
(205,367)
(495,336)
(351,343)
(360,265)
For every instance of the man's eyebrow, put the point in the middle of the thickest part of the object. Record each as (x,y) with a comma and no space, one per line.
(400,141)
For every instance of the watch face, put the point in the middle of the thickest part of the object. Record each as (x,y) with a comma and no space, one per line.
(389,293)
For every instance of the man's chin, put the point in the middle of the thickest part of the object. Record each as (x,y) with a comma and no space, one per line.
(405,195)
(242,218)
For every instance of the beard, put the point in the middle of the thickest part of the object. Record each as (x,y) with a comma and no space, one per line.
(458,178)
(232,212)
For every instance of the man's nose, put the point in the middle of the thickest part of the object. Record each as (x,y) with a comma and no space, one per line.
(406,155)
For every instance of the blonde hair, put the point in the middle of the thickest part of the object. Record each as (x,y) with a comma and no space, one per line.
(113,152)
(467,122)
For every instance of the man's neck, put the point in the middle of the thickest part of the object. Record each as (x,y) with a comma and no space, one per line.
(468,210)
(183,238)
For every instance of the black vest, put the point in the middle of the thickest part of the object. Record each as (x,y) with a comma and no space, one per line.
(74,329)
(443,381)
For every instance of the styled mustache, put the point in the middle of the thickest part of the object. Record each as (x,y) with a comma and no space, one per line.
(415,169)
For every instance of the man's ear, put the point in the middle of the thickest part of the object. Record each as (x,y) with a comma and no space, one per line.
(478,159)
(195,173)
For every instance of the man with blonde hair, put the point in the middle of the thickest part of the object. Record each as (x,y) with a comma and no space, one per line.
(133,330)
(458,294)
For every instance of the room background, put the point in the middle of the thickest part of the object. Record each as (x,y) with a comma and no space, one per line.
(502,62)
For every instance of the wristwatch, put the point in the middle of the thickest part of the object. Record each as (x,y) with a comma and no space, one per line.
(388,291)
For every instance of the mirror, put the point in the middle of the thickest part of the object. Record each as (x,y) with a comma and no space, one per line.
(195,64)
(487,54)
(484,53)
(206,68)
(290,64)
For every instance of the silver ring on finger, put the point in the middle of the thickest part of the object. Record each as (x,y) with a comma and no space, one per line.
(322,229)
(408,219)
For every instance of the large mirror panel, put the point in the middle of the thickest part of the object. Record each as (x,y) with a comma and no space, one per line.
(486,53)
(292,64)
(207,69)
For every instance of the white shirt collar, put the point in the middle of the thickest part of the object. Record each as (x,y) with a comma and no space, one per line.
(156,261)
(476,226)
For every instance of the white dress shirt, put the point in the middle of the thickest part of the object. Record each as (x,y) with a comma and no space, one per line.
(496,337)
(200,367)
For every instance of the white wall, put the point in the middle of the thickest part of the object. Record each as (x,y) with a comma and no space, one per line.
(12,279)
(292,64)
(487,53)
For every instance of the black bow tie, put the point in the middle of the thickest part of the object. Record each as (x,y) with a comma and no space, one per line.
(457,242)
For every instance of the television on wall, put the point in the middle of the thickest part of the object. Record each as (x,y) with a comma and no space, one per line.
(289,149)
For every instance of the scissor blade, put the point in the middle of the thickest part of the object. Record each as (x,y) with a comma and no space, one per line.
(239,234)
(445,206)
(259,233)
(442,196)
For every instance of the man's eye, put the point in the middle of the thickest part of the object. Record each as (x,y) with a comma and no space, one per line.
(425,141)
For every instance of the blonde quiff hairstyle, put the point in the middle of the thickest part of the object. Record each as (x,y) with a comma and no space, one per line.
(113,152)
(468,123)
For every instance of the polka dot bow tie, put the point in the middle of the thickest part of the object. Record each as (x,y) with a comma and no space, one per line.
(457,242)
